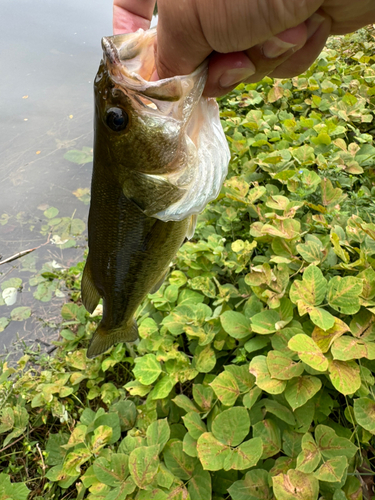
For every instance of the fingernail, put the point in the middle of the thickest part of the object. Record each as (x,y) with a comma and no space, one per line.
(236,75)
(313,24)
(274,47)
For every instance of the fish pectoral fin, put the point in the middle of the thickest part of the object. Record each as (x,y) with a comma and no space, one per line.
(151,193)
(191,227)
(103,339)
(90,295)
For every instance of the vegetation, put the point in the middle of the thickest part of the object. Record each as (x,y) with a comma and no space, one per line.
(253,377)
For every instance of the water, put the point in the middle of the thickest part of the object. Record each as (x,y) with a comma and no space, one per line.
(50,52)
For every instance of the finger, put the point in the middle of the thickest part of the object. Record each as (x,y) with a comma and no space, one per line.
(301,60)
(228,70)
(130,15)
(189,31)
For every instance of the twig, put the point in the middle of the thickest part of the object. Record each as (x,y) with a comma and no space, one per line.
(24,252)
(14,442)
(41,457)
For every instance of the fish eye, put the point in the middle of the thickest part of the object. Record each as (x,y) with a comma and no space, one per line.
(117,119)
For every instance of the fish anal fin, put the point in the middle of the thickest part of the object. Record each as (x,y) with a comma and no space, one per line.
(103,339)
(158,284)
(90,295)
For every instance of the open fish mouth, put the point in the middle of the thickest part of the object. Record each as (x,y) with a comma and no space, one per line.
(130,61)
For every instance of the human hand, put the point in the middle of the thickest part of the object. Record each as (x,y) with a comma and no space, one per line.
(245,40)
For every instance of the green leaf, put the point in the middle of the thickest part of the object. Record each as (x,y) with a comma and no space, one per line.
(331,446)
(56,454)
(226,388)
(308,352)
(312,289)
(301,389)
(254,486)
(231,426)
(309,458)
(12,491)
(4,322)
(112,472)
(364,412)
(322,318)
(279,410)
(199,486)
(194,424)
(127,413)
(20,313)
(259,368)
(204,359)
(177,461)
(163,387)
(345,376)
(265,322)
(235,324)
(164,477)
(343,294)
(256,344)
(346,348)
(51,212)
(177,278)
(189,445)
(203,396)
(102,436)
(147,369)
(270,434)
(79,156)
(185,403)
(211,452)
(325,338)
(245,456)
(143,464)
(332,470)
(243,377)
(158,433)
(111,421)
(282,366)
(311,252)
(74,460)
(135,388)
(295,485)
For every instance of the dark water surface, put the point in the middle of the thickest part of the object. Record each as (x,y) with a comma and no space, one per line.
(50,52)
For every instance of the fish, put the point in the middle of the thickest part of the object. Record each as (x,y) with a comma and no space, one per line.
(160,155)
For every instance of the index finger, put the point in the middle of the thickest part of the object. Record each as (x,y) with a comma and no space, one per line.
(130,15)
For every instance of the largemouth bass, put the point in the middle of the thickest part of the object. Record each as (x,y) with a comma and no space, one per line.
(160,155)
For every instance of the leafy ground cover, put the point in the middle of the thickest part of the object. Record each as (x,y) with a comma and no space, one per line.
(253,377)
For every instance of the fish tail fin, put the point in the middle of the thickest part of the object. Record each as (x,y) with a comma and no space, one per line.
(90,295)
(103,339)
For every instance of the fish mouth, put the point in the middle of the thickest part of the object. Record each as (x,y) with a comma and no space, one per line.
(130,61)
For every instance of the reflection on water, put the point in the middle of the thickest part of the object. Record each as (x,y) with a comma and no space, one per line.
(50,54)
